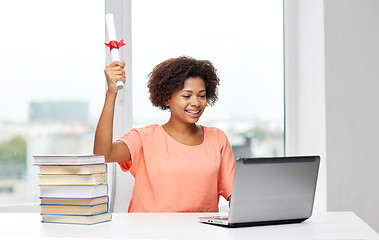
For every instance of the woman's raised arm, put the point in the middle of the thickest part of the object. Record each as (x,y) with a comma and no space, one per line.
(103,144)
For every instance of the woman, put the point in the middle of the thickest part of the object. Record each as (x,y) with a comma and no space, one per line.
(179,166)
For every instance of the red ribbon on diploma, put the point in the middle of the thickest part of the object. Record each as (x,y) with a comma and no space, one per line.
(115,44)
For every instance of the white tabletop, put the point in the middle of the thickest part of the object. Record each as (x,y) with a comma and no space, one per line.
(331,225)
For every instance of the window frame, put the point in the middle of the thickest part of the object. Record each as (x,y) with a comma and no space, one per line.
(120,194)
(304,74)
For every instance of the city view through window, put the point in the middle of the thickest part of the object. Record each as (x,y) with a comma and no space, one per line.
(53,86)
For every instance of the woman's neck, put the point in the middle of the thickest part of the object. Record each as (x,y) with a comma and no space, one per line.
(181,128)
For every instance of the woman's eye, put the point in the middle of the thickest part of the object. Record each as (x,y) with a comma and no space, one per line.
(202,96)
(186,96)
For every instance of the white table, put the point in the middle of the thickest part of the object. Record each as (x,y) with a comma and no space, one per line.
(331,225)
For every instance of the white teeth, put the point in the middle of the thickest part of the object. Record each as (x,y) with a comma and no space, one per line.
(193,112)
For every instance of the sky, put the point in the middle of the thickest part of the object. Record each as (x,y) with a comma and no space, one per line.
(53,50)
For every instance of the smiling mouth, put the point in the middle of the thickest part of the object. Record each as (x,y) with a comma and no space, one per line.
(193,112)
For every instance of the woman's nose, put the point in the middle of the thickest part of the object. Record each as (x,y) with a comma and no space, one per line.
(195,102)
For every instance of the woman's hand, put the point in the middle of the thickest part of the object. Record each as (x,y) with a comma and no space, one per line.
(114,72)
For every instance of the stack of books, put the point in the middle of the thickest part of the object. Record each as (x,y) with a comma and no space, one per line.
(73,189)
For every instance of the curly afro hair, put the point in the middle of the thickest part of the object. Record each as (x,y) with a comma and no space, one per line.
(169,76)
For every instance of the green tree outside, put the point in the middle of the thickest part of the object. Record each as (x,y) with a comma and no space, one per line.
(13,151)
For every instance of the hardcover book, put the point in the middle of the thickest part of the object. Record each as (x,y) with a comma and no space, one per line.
(68,159)
(74,201)
(74,210)
(89,179)
(73,169)
(77,219)
(73,191)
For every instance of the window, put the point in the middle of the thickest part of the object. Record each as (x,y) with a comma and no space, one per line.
(52,86)
(52,81)
(243,39)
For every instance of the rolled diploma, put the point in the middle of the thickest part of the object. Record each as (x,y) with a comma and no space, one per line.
(111,33)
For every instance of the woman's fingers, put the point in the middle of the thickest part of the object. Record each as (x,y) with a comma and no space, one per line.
(117,63)
(115,72)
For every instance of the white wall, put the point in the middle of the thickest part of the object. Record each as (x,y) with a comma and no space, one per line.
(332,89)
(352,111)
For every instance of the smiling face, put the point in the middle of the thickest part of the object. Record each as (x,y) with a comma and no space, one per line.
(188,104)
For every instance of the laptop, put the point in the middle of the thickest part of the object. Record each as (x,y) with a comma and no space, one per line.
(268,191)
